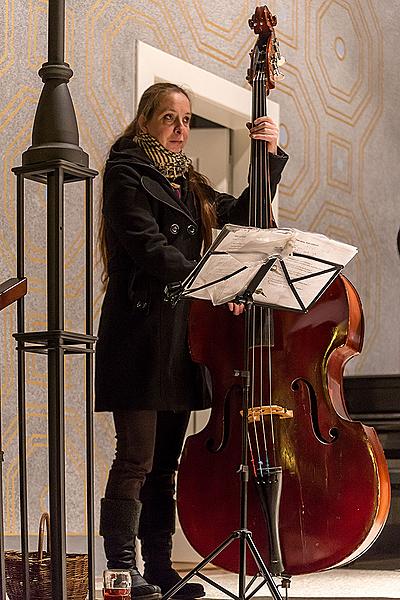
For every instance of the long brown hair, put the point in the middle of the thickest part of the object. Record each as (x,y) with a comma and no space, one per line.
(198,183)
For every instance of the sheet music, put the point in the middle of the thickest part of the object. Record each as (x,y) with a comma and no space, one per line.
(322,247)
(238,253)
(253,245)
(275,290)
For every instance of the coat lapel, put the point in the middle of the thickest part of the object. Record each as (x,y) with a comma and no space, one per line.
(159,192)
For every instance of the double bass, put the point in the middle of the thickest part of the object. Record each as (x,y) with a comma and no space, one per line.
(334,489)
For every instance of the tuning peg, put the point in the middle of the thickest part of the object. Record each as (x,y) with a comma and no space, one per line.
(279,58)
(278,75)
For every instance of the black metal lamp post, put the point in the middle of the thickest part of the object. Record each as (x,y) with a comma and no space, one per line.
(55,159)
(55,130)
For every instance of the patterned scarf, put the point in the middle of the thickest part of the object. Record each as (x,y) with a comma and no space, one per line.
(170,164)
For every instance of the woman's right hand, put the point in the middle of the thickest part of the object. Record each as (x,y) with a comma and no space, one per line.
(237,309)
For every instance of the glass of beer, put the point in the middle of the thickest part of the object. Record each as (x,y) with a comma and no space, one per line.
(116,584)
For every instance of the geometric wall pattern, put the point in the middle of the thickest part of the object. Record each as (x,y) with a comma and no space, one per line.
(339,111)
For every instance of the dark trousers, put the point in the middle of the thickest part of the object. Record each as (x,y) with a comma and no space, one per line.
(148,447)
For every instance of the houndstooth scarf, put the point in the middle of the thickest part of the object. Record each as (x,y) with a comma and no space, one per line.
(170,164)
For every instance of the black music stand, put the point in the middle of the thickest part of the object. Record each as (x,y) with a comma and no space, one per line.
(279,255)
(279,268)
(243,535)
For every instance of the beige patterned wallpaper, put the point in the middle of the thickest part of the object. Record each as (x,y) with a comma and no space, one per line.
(339,103)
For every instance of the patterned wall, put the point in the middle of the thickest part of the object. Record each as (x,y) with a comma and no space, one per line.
(339,105)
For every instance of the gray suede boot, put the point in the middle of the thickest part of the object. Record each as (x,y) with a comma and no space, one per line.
(156,527)
(119,520)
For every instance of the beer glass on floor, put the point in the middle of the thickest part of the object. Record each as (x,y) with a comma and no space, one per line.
(116,584)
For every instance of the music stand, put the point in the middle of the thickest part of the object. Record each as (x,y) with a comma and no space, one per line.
(277,268)
(243,535)
(257,252)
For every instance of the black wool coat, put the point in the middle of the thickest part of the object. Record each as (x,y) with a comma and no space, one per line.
(153,238)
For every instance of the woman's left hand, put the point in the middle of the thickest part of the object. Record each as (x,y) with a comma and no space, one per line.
(265,129)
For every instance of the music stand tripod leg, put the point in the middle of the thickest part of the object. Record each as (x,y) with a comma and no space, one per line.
(244,537)
(196,570)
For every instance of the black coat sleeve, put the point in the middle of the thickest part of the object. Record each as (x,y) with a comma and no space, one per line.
(236,210)
(128,212)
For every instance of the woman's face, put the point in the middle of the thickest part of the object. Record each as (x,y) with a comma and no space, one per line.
(170,121)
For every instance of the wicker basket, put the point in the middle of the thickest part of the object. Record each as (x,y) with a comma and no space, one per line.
(40,571)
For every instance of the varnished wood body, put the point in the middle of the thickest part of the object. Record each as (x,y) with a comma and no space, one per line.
(336,489)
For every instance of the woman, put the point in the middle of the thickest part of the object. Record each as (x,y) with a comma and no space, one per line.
(157,213)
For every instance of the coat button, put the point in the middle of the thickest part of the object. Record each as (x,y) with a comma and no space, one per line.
(174,228)
(192,229)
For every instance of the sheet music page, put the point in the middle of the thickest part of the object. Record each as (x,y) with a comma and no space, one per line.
(320,246)
(216,267)
(234,248)
(317,275)
(254,245)
(274,290)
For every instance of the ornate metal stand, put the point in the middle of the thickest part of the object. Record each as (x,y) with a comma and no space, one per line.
(54,160)
(56,343)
